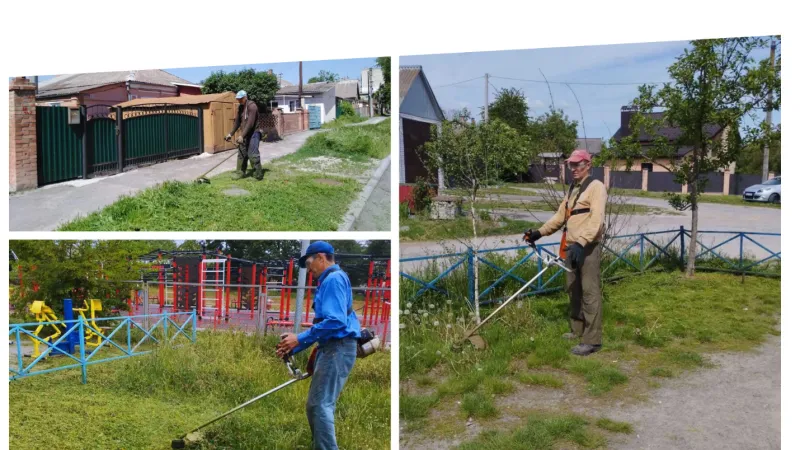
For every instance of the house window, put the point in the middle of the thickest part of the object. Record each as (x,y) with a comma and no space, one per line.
(292,104)
(273,105)
(647,166)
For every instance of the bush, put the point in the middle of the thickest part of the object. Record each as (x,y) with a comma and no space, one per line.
(346,109)
(423,196)
(405,210)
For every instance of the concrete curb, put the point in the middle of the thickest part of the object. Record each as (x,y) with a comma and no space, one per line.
(358,204)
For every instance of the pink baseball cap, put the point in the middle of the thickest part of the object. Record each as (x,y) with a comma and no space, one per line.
(579,155)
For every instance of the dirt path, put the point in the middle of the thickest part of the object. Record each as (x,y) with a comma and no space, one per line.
(736,405)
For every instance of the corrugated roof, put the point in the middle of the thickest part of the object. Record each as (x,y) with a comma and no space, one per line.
(224,97)
(347,89)
(309,88)
(407,76)
(76,83)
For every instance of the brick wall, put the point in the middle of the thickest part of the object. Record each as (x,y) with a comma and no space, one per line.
(22,169)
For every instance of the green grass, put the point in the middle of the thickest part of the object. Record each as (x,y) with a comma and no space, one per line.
(523,205)
(146,401)
(541,379)
(658,324)
(416,406)
(479,405)
(344,120)
(421,229)
(541,433)
(283,201)
(614,427)
(286,200)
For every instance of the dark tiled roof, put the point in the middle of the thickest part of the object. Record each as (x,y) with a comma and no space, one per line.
(592,145)
(671,133)
(75,83)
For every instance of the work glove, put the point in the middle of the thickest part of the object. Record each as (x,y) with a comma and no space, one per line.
(228,138)
(575,255)
(531,236)
(240,139)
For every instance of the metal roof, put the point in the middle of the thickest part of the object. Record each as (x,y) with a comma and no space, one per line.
(347,88)
(407,76)
(75,83)
(224,97)
(309,88)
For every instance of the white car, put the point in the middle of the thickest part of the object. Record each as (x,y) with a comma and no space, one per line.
(769,191)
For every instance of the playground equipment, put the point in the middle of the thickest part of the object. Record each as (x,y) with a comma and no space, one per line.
(43,314)
(94,334)
(294,372)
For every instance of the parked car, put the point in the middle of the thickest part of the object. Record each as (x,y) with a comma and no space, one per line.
(769,191)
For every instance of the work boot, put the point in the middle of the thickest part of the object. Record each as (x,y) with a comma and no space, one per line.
(569,336)
(258,172)
(584,349)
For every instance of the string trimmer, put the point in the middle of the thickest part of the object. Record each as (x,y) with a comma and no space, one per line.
(294,372)
(479,342)
(202,178)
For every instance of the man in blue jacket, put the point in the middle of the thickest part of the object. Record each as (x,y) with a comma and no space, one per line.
(336,329)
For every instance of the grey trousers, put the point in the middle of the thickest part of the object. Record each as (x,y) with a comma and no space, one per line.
(586,298)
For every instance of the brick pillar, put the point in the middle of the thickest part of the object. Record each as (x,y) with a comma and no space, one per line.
(685,189)
(304,120)
(277,115)
(607,176)
(563,174)
(771,175)
(22,169)
(726,182)
(645,175)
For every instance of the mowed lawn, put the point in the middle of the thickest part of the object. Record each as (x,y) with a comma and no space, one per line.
(285,200)
(146,401)
(656,326)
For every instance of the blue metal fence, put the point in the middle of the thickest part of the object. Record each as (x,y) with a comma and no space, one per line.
(160,332)
(638,242)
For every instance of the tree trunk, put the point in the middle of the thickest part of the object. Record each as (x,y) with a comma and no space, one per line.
(690,263)
(475,258)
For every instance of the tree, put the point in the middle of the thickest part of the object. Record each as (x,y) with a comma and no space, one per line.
(260,86)
(511,107)
(383,96)
(54,270)
(473,156)
(324,77)
(715,85)
(751,156)
(380,248)
(553,132)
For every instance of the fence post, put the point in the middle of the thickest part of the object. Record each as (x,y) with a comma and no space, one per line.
(82,341)
(166,333)
(641,252)
(119,140)
(741,252)
(194,324)
(539,269)
(166,134)
(129,334)
(84,143)
(200,130)
(683,245)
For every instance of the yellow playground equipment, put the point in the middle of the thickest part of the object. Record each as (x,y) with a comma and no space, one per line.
(43,314)
(94,334)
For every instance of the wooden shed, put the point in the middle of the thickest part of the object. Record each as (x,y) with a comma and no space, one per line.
(219,115)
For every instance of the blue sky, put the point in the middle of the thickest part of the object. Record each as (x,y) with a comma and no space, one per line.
(623,63)
(350,68)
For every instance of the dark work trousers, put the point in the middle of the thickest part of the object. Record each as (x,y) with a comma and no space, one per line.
(248,150)
(586,298)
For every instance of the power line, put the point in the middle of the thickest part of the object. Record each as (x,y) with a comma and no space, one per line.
(580,83)
(459,82)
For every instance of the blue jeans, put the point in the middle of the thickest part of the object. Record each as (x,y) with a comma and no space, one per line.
(335,360)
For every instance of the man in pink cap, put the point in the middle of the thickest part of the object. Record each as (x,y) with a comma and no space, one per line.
(581,216)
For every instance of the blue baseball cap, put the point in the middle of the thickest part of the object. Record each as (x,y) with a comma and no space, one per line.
(314,248)
(241,94)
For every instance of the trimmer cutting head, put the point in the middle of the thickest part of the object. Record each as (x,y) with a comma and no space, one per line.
(202,180)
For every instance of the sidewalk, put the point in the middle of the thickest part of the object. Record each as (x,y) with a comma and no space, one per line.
(45,208)
(377,215)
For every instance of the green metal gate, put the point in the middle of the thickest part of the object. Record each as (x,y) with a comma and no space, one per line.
(158,134)
(101,139)
(59,145)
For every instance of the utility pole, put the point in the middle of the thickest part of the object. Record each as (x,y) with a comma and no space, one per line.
(301,289)
(369,89)
(300,89)
(765,162)
(486,100)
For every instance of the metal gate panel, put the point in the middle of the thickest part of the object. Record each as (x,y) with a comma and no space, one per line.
(314,117)
(183,137)
(101,139)
(59,145)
